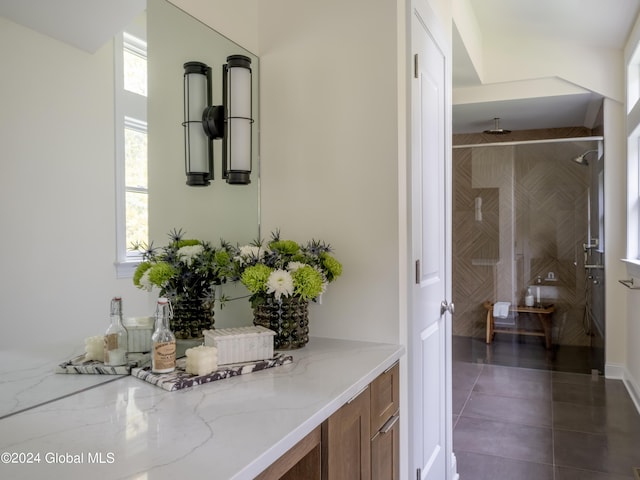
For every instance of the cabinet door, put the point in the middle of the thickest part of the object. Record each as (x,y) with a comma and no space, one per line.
(385,451)
(346,441)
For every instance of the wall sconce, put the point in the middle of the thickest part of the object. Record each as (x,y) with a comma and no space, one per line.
(232,122)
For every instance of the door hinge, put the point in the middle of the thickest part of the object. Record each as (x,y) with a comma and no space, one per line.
(417,271)
(415,65)
(419,474)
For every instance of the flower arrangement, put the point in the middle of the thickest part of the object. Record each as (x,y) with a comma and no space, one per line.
(285,269)
(186,271)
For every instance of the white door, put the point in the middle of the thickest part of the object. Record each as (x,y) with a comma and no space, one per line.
(429,350)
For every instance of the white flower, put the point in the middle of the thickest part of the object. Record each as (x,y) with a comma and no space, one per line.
(188,252)
(250,252)
(293,266)
(280,283)
(145,283)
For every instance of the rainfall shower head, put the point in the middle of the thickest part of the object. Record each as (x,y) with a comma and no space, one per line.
(581,159)
(496,130)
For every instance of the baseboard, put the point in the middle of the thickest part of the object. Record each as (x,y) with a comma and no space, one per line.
(454,467)
(620,372)
(614,371)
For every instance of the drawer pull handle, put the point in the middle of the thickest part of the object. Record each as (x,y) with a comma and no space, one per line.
(357,394)
(390,423)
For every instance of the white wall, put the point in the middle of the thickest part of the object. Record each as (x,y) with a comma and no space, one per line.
(615,167)
(57,202)
(329,146)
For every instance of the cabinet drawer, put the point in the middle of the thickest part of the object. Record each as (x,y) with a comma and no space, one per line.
(385,397)
(385,451)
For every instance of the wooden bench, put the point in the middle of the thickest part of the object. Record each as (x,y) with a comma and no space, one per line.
(544,314)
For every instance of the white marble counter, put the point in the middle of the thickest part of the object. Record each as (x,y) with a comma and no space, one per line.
(27,376)
(229,429)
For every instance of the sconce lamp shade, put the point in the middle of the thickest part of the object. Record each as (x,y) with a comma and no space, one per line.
(236,147)
(232,122)
(198,145)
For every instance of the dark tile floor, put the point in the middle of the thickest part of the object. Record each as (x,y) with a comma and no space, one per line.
(522,423)
(528,352)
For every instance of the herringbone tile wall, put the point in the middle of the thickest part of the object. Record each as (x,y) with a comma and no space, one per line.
(534,203)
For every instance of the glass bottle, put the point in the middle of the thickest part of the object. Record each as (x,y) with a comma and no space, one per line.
(116,339)
(163,355)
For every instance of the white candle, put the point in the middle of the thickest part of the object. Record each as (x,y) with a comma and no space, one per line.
(94,348)
(201,360)
(538,295)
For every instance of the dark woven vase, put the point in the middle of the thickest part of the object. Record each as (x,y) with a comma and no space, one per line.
(288,317)
(191,317)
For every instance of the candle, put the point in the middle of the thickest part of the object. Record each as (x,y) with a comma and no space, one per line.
(94,348)
(201,360)
(538,295)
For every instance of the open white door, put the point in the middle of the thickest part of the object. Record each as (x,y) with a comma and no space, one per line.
(429,331)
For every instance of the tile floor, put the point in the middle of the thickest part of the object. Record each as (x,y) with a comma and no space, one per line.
(515,423)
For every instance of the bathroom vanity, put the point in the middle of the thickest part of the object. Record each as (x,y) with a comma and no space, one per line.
(237,428)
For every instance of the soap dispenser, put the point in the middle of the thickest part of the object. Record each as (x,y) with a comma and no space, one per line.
(528,298)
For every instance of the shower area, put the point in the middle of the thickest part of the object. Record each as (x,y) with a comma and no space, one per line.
(528,222)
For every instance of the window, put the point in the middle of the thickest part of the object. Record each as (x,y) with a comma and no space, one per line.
(632,61)
(131,149)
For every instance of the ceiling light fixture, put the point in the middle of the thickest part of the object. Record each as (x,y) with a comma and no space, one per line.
(496,130)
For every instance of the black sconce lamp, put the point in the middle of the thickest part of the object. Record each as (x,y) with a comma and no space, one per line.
(232,122)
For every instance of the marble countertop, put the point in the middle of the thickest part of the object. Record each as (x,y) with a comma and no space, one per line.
(27,376)
(230,429)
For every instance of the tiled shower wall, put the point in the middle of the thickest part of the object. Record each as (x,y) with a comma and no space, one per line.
(529,231)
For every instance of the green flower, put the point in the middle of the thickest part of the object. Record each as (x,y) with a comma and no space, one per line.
(255,278)
(332,267)
(222,258)
(140,270)
(161,273)
(284,247)
(308,282)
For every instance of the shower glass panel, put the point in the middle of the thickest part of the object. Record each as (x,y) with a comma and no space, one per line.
(528,218)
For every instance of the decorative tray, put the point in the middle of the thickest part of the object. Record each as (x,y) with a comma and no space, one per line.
(80,365)
(180,379)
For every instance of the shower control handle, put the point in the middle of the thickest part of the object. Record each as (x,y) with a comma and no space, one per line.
(447,307)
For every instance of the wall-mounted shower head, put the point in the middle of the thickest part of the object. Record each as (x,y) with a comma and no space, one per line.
(496,130)
(581,159)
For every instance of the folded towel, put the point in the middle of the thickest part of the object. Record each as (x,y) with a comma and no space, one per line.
(501,309)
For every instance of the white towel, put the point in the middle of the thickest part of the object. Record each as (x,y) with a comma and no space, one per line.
(501,309)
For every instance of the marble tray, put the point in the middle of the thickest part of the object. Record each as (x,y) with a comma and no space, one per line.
(80,365)
(180,379)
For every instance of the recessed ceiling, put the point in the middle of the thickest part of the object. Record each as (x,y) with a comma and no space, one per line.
(526,114)
(594,23)
(85,24)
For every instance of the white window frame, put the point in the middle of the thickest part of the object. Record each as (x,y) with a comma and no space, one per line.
(130,112)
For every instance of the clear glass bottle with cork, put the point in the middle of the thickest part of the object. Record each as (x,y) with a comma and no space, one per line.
(116,340)
(163,354)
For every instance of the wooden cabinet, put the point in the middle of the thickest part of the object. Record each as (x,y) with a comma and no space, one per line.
(302,461)
(360,441)
(385,425)
(346,447)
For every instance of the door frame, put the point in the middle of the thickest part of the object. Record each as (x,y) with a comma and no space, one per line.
(437,29)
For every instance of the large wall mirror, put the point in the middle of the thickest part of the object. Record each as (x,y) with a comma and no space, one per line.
(219,210)
(65,220)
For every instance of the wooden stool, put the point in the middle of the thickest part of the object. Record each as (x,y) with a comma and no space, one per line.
(544,313)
